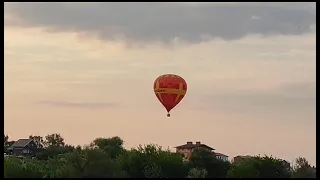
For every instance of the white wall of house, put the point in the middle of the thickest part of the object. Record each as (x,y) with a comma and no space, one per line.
(224,158)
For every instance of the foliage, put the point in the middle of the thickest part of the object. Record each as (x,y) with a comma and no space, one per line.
(107,158)
(54,140)
(197,173)
(152,162)
(203,159)
(303,169)
(260,167)
(112,146)
(6,143)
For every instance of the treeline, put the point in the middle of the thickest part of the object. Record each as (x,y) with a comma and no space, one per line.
(107,158)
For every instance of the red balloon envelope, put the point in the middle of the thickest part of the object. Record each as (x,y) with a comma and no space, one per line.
(170,90)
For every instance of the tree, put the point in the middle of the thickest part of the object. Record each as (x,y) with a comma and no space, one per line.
(32,168)
(6,138)
(303,169)
(38,140)
(206,160)
(197,173)
(92,163)
(112,146)
(56,167)
(260,167)
(54,140)
(53,151)
(107,158)
(52,146)
(18,168)
(6,143)
(151,161)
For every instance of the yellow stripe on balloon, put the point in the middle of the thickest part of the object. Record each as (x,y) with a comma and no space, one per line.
(178,95)
(179,91)
(158,87)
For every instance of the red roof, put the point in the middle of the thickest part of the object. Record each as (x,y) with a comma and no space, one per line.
(192,146)
(220,154)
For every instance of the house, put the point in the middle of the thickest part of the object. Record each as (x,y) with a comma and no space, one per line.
(186,149)
(23,147)
(221,156)
(239,159)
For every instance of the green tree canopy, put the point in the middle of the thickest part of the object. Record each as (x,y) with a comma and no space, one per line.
(107,158)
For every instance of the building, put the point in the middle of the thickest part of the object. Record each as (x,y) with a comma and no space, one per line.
(23,147)
(240,159)
(186,150)
(221,156)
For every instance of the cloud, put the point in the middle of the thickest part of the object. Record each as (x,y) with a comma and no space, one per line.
(165,22)
(257,89)
(86,105)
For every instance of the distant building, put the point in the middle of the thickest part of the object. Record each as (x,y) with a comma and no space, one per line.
(239,159)
(23,147)
(221,156)
(186,149)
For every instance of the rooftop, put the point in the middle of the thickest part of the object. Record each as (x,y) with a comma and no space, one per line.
(190,145)
(21,143)
(220,154)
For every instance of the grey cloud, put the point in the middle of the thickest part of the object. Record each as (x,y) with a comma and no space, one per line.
(163,22)
(78,104)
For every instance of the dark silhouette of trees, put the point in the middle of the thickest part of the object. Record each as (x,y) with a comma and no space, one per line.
(260,167)
(303,169)
(6,143)
(107,158)
(202,159)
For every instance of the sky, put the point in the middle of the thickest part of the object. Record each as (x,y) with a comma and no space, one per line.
(86,70)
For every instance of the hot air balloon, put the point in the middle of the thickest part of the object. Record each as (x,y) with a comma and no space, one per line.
(170,90)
